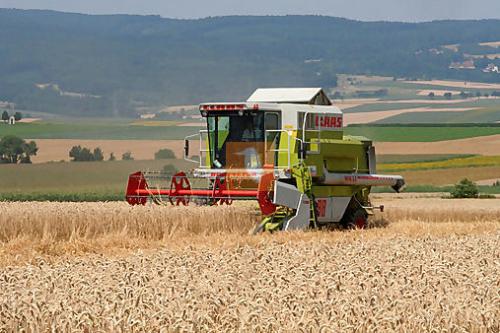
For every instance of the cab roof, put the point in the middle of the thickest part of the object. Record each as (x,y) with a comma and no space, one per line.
(312,96)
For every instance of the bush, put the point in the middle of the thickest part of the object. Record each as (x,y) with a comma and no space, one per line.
(465,189)
(170,169)
(79,154)
(164,154)
(5,116)
(98,154)
(127,156)
(18,116)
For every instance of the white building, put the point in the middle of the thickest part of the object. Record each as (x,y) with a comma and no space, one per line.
(491,68)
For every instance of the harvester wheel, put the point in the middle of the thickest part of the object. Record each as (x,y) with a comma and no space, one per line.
(357,219)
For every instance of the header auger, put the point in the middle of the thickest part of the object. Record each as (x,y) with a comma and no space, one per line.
(285,149)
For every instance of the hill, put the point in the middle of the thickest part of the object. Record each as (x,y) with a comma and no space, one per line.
(118,65)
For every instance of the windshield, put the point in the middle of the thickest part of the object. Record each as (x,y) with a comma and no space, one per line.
(236,141)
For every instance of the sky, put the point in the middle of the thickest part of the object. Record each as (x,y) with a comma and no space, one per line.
(366,10)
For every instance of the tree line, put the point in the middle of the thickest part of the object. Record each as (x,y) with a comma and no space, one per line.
(15,150)
(6,116)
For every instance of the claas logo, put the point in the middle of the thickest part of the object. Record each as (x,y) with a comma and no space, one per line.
(328,121)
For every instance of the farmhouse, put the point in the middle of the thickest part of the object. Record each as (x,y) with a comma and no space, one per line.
(468,64)
(491,68)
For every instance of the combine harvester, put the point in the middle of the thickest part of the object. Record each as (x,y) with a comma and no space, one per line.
(284,148)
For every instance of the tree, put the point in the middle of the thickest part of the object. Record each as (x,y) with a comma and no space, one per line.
(15,150)
(170,169)
(127,156)
(86,155)
(431,95)
(5,116)
(112,157)
(448,95)
(98,154)
(18,116)
(465,189)
(30,149)
(75,152)
(79,154)
(164,154)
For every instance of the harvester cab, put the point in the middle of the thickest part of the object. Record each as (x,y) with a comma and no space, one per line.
(284,148)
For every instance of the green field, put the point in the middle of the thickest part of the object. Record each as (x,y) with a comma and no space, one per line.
(104,130)
(74,181)
(420,133)
(125,131)
(106,181)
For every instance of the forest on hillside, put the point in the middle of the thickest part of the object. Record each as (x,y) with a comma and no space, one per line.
(88,65)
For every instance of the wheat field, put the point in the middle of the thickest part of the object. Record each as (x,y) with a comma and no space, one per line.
(427,265)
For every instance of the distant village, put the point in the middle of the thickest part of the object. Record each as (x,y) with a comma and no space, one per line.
(489,62)
(470,64)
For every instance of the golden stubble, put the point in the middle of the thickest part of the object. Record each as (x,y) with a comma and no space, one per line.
(429,265)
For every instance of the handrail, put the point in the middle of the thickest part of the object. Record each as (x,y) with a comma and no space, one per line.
(307,113)
(201,150)
(289,159)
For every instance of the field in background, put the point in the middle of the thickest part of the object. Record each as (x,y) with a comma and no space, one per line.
(485,145)
(81,181)
(106,181)
(142,268)
(420,133)
(414,158)
(407,102)
(126,132)
(450,176)
(58,149)
(97,129)
(459,84)
(451,163)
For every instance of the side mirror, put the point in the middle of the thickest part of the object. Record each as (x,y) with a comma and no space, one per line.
(186,148)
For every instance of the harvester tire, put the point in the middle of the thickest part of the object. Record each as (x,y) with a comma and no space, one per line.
(356,219)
